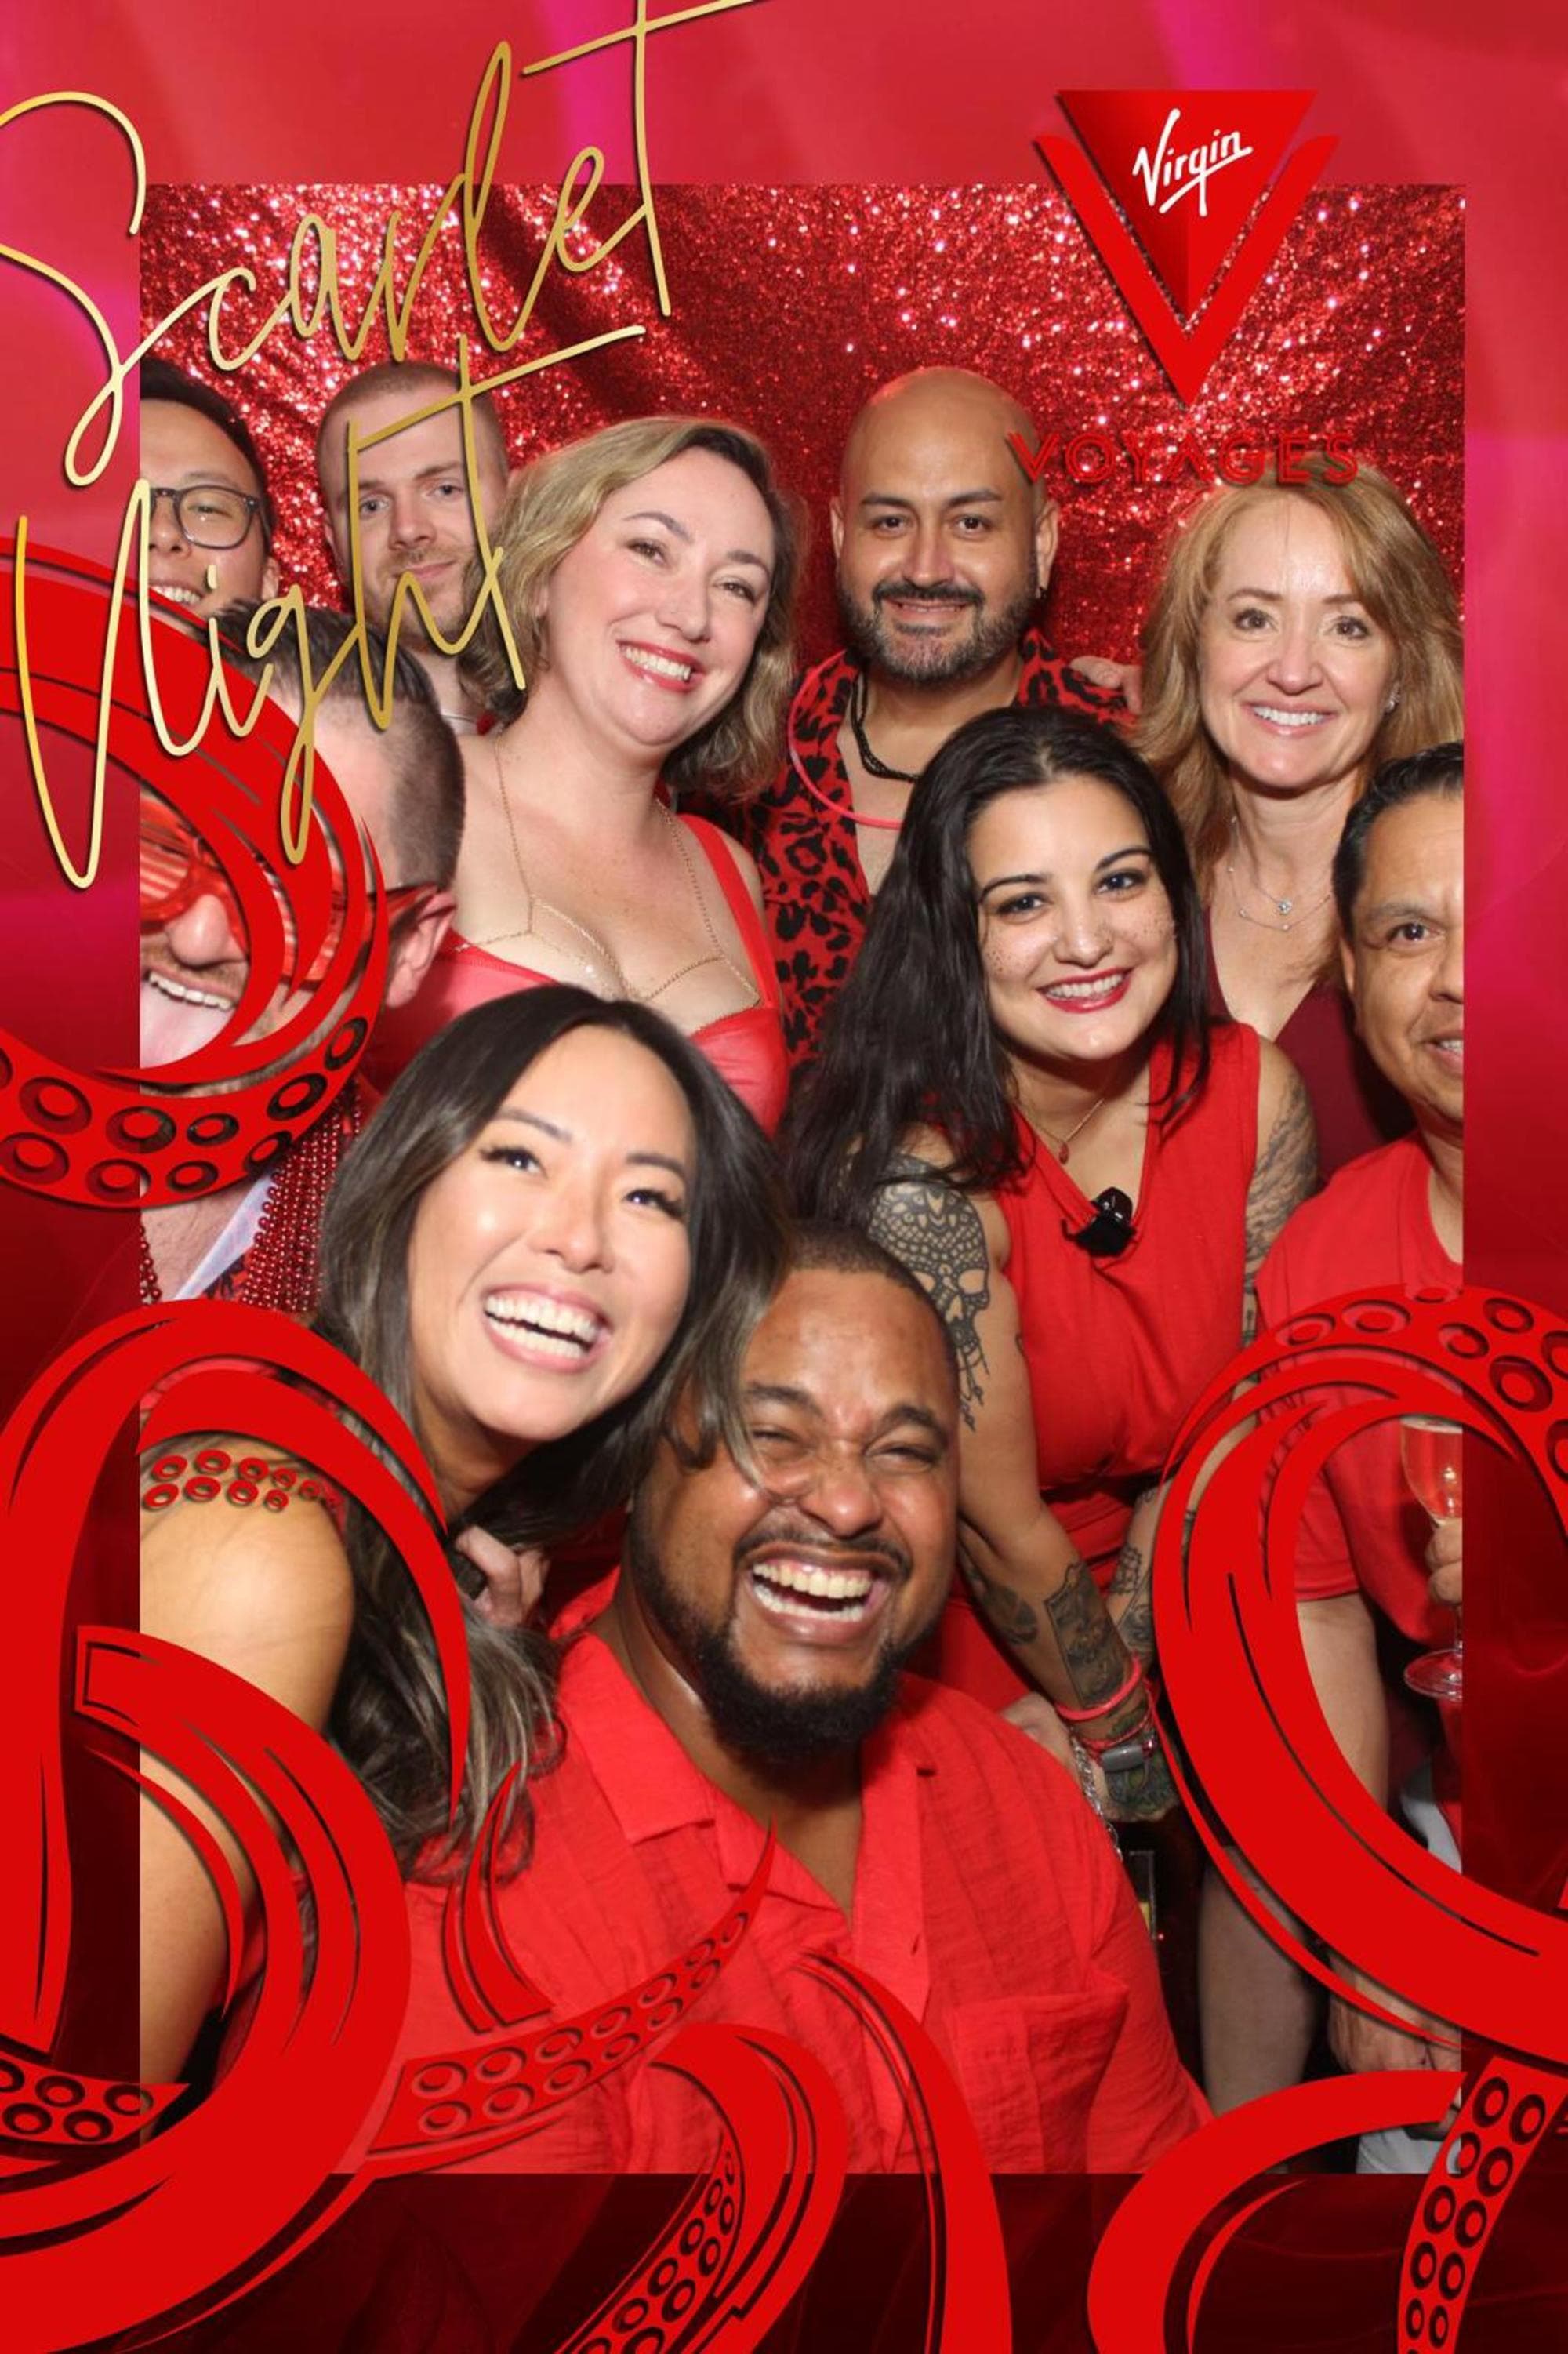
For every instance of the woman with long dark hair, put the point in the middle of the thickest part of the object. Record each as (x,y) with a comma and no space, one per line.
(558,1217)
(1023,1096)
(648,574)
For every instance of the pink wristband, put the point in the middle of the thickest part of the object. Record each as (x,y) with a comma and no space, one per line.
(1103,1707)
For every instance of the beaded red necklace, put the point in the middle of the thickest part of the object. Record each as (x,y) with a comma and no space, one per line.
(280,1269)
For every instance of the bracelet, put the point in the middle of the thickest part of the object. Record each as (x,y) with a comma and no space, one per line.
(1126,1750)
(1103,1707)
(1089,1785)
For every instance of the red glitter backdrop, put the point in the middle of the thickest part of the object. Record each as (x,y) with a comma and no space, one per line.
(789,305)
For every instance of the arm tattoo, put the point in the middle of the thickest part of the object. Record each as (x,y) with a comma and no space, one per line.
(1093,1657)
(1141,1793)
(1009,1615)
(1091,1648)
(936,1231)
(1286,1173)
(1132,1586)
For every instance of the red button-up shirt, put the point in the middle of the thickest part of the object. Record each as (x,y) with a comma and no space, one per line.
(987,1899)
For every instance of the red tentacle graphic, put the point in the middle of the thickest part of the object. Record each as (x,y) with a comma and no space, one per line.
(44,2108)
(747,2234)
(68,1419)
(1130,2287)
(1502,2124)
(1263,1758)
(81,2248)
(82,2243)
(458,2104)
(970,2310)
(109,1139)
(491,1987)
(210,1852)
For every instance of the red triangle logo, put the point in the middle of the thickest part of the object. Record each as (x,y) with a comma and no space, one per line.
(1209,190)
(1186,168)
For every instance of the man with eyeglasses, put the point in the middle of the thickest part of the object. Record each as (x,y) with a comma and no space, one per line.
(258,1241)
(209,537)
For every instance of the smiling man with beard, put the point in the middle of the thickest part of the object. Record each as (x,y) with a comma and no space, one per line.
(747,1674)
(943,549)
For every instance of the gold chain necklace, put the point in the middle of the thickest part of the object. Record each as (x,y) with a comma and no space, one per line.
(1059,1144)
(611,963)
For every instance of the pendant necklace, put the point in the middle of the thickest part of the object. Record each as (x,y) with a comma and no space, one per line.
(1286,916)
(1060,1144)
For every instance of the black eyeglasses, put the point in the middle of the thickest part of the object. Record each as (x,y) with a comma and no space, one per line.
(207,514)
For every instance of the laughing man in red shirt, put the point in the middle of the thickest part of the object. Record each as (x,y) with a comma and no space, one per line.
(748,1672)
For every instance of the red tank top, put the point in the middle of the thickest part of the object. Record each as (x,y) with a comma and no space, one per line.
(746,1048)
(1117,1349)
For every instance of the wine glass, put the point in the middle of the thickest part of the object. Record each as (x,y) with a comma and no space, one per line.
(1431,1454)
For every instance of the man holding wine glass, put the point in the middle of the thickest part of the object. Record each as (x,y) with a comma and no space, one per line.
(1381,1545)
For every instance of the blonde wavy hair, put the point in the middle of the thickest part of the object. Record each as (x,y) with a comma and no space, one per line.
(1395,572)
(551,505)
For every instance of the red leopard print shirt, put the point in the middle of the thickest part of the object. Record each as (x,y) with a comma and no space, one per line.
(803,840)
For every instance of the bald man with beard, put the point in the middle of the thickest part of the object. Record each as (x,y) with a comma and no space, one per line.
(943,548)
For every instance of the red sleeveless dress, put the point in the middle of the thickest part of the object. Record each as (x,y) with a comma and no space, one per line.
(1117,1349)
(746,1048)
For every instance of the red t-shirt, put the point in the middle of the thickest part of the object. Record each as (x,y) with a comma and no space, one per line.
(987,1899)
(1361,1530)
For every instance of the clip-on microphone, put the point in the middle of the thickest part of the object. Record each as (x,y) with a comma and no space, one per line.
(1110,1229)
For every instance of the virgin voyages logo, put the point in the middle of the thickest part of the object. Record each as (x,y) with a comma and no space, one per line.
(1182,181)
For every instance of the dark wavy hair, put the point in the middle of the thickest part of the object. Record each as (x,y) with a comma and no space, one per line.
(390,1715)
(911,1042)
(1438,769)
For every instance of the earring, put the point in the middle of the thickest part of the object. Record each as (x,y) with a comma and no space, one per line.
(1392,703)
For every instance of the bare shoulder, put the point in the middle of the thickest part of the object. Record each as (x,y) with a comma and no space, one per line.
(920,1194)
(261,1589)
(744,866)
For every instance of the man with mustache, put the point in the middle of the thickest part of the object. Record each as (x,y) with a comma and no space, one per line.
(1365,1571)
(943,547)
(256,1241)
(746,1676)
